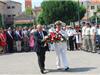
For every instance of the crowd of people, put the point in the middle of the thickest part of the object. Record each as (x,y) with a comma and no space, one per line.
(35,39)
(91,37)
(16,40)
(21,39)
(86,38)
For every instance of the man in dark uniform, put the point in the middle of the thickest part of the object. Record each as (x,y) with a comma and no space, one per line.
(10,40)
(40,46)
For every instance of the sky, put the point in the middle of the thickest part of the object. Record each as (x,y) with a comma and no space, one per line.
(34,3)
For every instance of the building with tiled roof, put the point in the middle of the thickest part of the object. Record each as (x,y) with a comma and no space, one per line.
(2,9)
(9,10)
(91,6)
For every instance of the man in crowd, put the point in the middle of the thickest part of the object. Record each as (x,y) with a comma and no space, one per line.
(18,39)
(93,38)
(70,33)
(83,35)
(10,39)
(87,38)
(98,37)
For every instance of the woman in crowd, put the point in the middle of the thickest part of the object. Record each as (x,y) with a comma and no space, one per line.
(2,41)
(18,39)
(25,39)
(31,41)
(78,39)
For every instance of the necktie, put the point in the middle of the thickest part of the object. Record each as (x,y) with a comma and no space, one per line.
(41,35)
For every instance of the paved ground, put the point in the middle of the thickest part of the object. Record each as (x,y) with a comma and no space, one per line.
(26,63)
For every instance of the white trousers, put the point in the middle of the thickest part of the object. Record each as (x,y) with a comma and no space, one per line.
(18,45)
(60,49)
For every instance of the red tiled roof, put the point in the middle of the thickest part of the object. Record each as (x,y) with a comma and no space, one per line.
(92,1)
(95,1)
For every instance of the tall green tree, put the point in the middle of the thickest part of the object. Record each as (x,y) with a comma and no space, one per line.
(67,11)
(28,11)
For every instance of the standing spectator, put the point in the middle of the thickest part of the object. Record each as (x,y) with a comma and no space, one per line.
(87,36)
(98,37)
(93,38)
(74,39)
(78,39)
(25,39)
(83,36)
(21,32)
(2,41)
(31,41)
(67,39)
(18,39)
(71,38)
(14,42)
(10,40)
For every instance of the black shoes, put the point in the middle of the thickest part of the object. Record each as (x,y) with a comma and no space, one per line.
(42,71)
(66,69)
(46,71)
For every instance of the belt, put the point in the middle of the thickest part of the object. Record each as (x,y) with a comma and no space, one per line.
(87,35)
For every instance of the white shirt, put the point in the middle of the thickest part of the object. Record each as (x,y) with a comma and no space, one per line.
(92,30)
(78,37)
(25,32)
(87,31)
(83,30)
(71,32)
(98,31)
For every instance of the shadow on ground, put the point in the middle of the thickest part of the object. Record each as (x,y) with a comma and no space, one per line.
(79,69)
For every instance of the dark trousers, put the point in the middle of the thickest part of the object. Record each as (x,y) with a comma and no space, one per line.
(75,44)
(41,59)
(71,42)
(10,47)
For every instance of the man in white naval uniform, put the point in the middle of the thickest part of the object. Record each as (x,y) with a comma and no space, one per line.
(60,48)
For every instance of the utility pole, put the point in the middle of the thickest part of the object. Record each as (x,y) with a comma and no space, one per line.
(87,11)
(2,19)
(96,18)
(79,12)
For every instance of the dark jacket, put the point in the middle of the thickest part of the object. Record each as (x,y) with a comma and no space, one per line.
(39,43)
(18,37)
(9,38)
